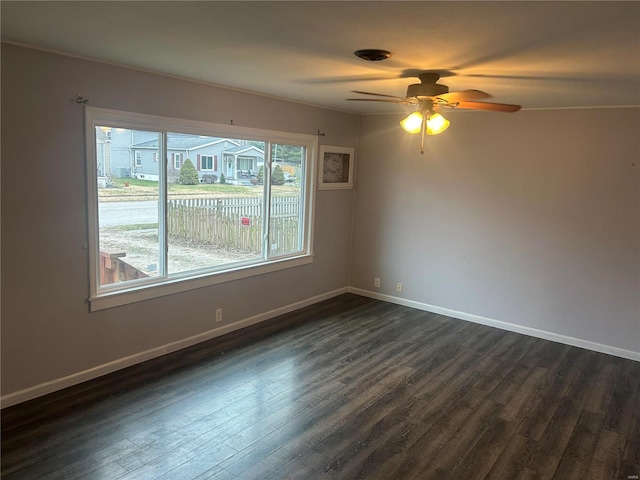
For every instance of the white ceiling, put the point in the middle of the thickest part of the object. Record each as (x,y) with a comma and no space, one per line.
(537,54)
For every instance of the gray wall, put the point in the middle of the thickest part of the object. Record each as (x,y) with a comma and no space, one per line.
(532,219)
(47,332)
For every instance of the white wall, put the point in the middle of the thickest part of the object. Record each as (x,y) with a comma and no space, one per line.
(532,219)
(47,331)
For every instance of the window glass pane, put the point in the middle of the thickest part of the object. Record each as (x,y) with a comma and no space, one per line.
(286,198)
(128,195)
(206,162)
(214,208)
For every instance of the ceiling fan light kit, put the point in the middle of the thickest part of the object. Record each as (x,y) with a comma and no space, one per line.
(435,123)
(412,123)
(430,97)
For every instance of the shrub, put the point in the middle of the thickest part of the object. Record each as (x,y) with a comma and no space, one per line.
(188,173)
(277,177)
(261,175)
(209,178)
(223,179)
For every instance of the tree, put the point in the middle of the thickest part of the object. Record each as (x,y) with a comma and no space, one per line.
(291,154)
(188,173)
(223,179)
(261,175)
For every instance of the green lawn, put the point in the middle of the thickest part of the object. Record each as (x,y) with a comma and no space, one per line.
(132,187)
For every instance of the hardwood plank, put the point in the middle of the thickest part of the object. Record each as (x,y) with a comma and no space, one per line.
(215,473)
(544,460)
(536,414)
(582,384)
(522,394)
(100,463)
(456,432)
(309,464)
(601,392)
(506,355)
(448,454)
(512,463)
(190,460)
(478,461)
(392,458)
(608,457)
(584,439)
(365,450)
(623,399)
(631,459)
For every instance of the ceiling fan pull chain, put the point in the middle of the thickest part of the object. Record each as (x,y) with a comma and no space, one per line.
(423,131)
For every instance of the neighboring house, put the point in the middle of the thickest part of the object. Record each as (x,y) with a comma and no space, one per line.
(122,160)
(136,154)
(103,152)
(242,161)
(112,150)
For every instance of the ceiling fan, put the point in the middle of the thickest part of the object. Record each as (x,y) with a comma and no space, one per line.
(431,97)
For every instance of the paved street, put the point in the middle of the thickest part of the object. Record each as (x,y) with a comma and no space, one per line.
(127,213)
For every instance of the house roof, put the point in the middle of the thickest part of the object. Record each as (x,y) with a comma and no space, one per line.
(179,141)
(243,149)
(539,54)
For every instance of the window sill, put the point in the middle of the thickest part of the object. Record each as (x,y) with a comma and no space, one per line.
(169,287)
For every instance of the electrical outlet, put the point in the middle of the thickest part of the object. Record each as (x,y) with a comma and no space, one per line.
(219,315)
(376,282)
(399,287)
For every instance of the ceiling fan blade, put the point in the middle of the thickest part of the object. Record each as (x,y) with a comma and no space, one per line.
(347,79)
(494,107)
(377,94)
(402,101)
(463,96)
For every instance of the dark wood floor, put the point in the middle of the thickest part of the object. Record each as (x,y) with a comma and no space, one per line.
(348,388)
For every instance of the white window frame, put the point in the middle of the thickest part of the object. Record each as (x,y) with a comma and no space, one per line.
(177,160)
(102,297)
(138,158)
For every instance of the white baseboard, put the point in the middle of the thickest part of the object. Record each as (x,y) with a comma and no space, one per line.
(76,378)
(95,372)
(533,332)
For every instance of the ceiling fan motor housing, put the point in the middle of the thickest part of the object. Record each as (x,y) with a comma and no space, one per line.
(420,90)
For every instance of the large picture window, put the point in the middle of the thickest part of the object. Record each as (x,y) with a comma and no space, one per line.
(160,230)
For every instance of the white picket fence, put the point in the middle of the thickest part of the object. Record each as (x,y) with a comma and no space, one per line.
(235,222)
